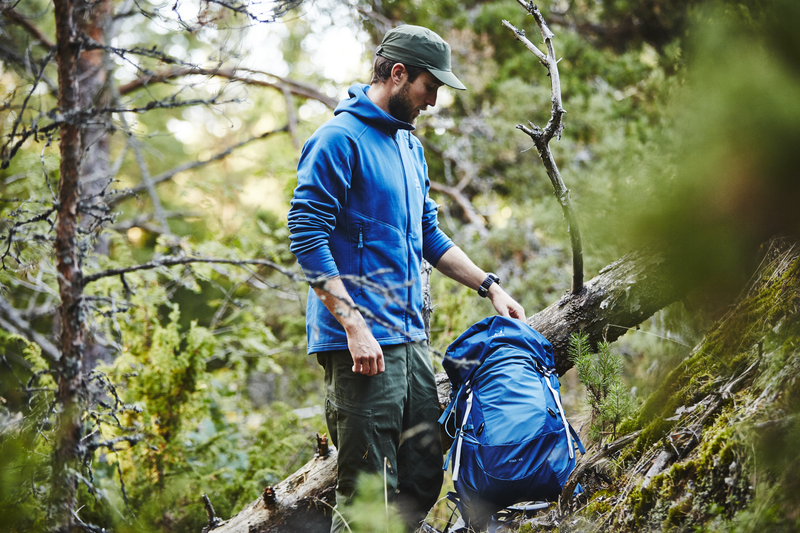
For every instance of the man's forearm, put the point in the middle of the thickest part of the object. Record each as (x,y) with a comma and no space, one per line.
(334,296)
(456,265)
(364,349)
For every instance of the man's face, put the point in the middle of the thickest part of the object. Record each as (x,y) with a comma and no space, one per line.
(409,99)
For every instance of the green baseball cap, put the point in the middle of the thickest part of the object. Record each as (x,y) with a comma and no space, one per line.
(420,47)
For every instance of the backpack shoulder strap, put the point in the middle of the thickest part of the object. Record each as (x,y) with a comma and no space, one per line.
(577,439)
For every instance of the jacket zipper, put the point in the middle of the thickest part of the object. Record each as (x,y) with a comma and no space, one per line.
(408,229)
(360,259)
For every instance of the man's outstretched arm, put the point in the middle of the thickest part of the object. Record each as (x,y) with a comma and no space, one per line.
(366,352)
(456,265)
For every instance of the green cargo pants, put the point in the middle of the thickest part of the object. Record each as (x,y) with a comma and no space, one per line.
(393,416)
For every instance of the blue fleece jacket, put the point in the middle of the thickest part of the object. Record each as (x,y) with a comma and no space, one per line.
(361,211)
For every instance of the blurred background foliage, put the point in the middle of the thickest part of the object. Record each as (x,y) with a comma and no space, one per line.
(682,129)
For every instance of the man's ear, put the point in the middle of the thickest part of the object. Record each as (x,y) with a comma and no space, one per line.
(399,73)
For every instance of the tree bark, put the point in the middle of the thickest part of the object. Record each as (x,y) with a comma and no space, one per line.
(623,295)
(300,503)
(70,395)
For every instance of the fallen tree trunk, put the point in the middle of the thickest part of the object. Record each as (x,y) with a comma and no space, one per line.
(300,503)
(623,295)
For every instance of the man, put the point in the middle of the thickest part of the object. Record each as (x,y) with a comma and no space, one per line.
(361,222)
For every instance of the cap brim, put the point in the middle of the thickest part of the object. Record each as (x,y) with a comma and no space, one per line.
(448,78)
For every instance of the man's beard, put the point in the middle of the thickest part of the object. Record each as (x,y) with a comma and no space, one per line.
(400,105)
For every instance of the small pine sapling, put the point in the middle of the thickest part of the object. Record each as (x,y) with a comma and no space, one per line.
(600,373)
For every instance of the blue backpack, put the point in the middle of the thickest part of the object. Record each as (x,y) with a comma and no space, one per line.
(512,441)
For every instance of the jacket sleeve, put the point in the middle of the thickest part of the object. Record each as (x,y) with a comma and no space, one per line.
(323,181)
(434,241)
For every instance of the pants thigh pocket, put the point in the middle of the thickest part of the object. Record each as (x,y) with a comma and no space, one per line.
(353,433)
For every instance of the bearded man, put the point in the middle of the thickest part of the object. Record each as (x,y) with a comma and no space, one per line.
(361,222)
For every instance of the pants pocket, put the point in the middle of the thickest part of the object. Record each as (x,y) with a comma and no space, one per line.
(352,431)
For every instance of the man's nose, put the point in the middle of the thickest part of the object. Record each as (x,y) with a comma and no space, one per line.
(431,100)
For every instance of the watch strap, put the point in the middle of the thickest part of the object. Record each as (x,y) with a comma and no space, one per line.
(483,290)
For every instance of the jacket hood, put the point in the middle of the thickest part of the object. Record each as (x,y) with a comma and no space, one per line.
(360,106)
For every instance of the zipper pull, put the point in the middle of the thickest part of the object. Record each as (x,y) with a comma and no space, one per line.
(360,238)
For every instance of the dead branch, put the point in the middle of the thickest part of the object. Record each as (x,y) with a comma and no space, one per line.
(589,462)
(292,116)
(169,174)
(457,192)
(213,521)
(541,138)
(296,88)
(12,321)
(173,261)
(15,17)
(298,503)
(381,22)
(463,202)
(140,221)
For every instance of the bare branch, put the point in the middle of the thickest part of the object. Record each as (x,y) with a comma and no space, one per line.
(140,221)
(294,87)
(16,18)
(169,174)
(243,8)
(8,155)
(172,261)
(292,116)
(541,138)
(10,320)
(456,193)
(382,23)
(463,202)
(520,35)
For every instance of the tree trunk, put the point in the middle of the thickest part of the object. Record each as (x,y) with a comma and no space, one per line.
(71,389)
(625,294)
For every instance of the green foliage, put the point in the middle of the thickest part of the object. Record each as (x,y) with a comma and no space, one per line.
(214,357)
(368,512)
(601,374)
(24,461)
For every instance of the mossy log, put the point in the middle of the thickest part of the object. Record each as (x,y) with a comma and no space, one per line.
(623,295)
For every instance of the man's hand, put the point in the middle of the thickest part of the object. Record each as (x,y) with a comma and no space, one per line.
(365,350)
(505,304)
(456,265)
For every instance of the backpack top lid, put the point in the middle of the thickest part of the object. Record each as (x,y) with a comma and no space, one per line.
(476,344)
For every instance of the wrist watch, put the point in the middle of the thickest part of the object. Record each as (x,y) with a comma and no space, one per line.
(483,290)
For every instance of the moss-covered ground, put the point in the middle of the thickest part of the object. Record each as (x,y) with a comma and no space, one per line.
(726,419)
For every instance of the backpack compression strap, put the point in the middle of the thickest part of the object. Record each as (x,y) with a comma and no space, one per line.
(457,459)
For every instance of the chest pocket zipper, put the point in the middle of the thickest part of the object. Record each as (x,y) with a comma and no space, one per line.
(359,282)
